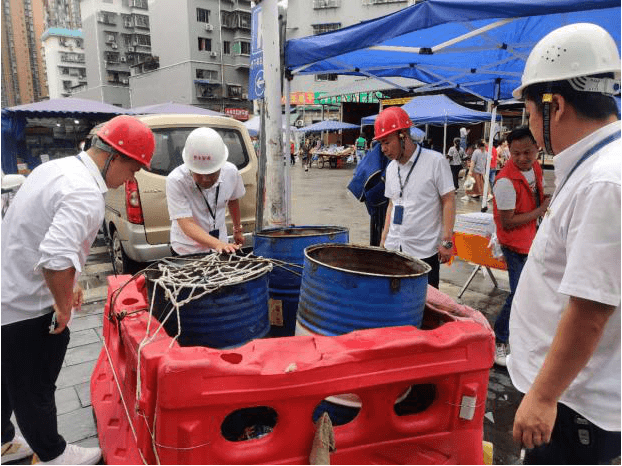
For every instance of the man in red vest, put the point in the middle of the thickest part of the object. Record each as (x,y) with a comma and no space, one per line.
(518,203)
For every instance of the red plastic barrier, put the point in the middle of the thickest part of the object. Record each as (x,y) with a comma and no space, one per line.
(186,393)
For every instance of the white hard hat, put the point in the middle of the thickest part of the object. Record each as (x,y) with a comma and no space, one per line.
(574,51)
(204,152)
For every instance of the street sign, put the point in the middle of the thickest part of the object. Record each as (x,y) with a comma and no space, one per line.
(256,82)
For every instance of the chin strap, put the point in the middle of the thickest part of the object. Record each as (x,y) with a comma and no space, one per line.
(547,99)
(106,148)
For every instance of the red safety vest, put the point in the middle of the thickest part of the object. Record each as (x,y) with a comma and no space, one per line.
(519,239)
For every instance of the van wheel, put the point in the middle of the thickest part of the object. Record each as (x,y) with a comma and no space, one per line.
(122,263)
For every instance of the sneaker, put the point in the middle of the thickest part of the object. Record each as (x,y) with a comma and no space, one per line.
(501,354)
(16,449)
(489,197)
(74,454)
(465,198)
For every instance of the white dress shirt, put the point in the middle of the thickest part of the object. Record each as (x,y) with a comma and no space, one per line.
(421,230)
(51,223)
(576,252)
(185,200)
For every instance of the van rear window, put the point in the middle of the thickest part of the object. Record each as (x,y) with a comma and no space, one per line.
(170,144)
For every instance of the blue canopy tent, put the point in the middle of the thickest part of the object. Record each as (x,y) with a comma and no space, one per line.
(438,110)
(174,107)
(253,125)
(327,125)
(475,46)
(14,121)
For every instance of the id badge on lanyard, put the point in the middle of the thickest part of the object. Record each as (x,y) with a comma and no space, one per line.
(398,214)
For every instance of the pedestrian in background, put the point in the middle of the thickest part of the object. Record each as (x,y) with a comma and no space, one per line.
(455,155)
(360,145)
(565,319)
(46,236)
(421,212)
(478,169)
(463,137)
(198,192)
(518,203)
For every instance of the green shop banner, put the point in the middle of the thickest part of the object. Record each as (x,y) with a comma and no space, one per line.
(357,97)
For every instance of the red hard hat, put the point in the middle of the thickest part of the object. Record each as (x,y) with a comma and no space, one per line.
(391,119)
(130,137)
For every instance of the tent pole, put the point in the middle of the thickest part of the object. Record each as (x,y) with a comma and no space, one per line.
(489,158)
(445,138)
(286,153)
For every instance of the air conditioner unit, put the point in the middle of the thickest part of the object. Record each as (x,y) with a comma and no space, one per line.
(125,81)
(213,54)
(114,46)
(123,59)
(130,49)
(209,27)
(245,96)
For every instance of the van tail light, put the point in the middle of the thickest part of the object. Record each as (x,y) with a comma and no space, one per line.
(132,203)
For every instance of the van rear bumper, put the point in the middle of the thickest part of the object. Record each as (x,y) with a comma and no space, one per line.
(136,246)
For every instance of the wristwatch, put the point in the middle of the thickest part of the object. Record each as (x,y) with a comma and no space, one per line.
(447,244)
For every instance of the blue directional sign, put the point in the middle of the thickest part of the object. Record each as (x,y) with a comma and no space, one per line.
(256,83)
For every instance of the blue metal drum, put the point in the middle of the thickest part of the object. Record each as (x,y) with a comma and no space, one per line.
(226,318)
(288,245)
(350,287)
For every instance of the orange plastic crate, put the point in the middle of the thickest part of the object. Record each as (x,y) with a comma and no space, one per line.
(474,248)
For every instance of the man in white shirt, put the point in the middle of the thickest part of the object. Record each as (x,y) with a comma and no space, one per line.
(565,318)
(455,154)
(463,137)
(46,236)
(422,207)
(197,193)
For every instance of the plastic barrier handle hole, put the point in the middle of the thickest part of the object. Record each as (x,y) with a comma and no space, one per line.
(233,358)
(129,301)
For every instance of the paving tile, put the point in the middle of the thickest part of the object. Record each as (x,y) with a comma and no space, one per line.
(90,442)
(85,322)
(67,400)
(84,337)
(84,393)
(75,374)
(84,353)
(77,425)
(96,307)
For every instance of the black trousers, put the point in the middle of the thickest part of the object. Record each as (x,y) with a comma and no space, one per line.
(31,362)
(575,440)
(434,275)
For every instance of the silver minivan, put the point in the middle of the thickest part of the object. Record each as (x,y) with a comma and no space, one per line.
(137,220)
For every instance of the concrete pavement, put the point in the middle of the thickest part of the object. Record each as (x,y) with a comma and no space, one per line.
(319,196)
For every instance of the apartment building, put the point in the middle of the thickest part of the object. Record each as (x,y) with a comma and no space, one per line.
(117,36)
(62,14)
(203,48)
(65,61)
(23,68)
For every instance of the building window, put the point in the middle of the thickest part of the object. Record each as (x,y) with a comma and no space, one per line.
(226,47)
(202,15)
(141,39)
(326,77)
(320,4)
(245,20)
(379,2)
(242,48)
(205,44)
(234,91)
(141,21)
(106,17)
(326,27)
(207,74)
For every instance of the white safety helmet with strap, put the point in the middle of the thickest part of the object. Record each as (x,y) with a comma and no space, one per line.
(575,53)
(204,152)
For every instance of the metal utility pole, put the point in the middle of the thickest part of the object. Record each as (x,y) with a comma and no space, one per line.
(276,203)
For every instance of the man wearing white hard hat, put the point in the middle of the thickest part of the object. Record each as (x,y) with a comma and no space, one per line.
(565,317)
(198,192)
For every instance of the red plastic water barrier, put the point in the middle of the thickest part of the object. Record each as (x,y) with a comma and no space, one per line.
(187,393)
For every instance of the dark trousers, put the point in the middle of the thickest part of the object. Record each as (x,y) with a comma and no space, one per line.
(515,262)
(31,362)
(434,275)
(575,440)
(455,171)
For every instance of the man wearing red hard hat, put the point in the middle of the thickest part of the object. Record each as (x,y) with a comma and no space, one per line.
(46,236)
(420,188)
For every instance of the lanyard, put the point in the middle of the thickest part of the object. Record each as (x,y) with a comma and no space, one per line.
(212,212)
(399,175)
(586,156)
